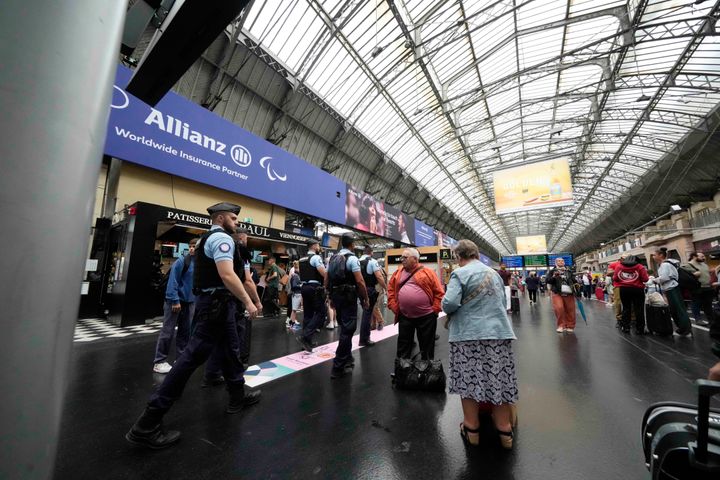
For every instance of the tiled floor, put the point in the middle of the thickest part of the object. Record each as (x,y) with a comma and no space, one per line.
(92,329)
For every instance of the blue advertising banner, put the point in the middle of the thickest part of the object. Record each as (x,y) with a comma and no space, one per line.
(424,235)
(184,139)
(486,260)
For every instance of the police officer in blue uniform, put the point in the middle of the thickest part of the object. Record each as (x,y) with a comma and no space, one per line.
(372,274)
(216,287)
(344,293)
(312,275)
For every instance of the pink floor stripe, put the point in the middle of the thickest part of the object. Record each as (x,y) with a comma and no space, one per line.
(265,372)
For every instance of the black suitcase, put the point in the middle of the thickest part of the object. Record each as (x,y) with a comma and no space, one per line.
(658,320)
(672,446)
(514,304)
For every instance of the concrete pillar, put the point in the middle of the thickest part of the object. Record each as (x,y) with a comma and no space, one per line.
(58,64)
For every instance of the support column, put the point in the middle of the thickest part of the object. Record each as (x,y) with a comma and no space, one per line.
(111,188)
(59,61)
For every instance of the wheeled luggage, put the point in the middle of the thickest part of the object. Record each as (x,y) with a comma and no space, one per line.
(600,294)
(515,304)
(658,320)
(682,441)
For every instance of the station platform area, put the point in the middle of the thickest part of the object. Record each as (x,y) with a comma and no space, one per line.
(582,397)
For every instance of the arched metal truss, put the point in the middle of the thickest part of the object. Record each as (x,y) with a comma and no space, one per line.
(423,100)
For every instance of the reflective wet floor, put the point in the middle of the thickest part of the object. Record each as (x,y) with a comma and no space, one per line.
(582,397)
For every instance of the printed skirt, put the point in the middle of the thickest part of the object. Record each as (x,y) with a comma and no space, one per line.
(484,371)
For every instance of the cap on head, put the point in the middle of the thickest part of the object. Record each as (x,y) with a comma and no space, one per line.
(312,241)
(368,249)
(223,207)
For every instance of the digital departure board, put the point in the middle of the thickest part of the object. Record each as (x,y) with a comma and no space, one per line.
(535,260)
(513,261)
(565,256)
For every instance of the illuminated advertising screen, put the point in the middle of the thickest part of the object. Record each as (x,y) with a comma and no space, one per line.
(565,256)
(364,213)
(531,244)
(513,261)
(530,187)
(535,260)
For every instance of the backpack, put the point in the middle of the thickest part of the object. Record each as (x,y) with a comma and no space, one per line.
(162,285)
(337,269)
(686,280)
(369,279)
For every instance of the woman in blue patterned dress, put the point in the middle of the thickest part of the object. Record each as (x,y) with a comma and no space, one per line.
(482,364)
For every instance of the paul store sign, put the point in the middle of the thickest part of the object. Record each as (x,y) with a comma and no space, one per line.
(184,139)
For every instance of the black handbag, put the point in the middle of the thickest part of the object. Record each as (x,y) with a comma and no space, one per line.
(416,374)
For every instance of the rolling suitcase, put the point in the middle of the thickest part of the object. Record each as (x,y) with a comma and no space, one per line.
(515,304)
(658,320)
(682,441)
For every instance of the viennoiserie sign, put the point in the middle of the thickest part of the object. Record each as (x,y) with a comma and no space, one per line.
(534,186)
(182,138)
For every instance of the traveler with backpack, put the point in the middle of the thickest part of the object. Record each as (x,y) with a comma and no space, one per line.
(345,284)
(312,276)
(702,292)
(178,309)
(414,295)
(372,275)
(631,277)
(667,278)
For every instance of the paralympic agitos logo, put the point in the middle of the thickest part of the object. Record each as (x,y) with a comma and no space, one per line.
(239,154)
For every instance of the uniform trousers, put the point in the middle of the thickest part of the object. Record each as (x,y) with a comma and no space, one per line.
(345,302)
(214,325)
(367,315)
(238,340)
(314,310)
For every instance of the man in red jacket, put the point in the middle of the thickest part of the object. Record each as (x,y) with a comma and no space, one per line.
(631,276)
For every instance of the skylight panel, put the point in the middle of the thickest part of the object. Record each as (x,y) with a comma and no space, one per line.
(539,47)
(588,32)
(497,32)
(533,14)
(582,7)
(541,88)
(503,101)
(583,78)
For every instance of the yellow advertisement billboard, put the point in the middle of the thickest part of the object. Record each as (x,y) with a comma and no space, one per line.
(529,187)
(531,244)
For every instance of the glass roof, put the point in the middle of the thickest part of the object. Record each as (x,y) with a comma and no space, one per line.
(452,90)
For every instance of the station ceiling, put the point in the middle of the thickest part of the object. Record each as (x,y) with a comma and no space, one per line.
(443,93)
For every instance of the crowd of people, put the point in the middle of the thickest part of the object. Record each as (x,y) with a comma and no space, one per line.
(213,292)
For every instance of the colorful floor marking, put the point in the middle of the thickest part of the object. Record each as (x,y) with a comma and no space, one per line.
(265,372)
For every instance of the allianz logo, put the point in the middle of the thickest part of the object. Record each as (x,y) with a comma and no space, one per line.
(239,154)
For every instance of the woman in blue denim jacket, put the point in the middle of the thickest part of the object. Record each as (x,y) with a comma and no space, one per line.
(482,364)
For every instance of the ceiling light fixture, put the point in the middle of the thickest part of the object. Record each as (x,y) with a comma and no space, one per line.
(643,98)
(377,51)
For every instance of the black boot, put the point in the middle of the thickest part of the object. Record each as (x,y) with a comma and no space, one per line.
(242,398)
(148,431)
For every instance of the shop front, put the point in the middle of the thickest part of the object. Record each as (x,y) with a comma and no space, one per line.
(146,241)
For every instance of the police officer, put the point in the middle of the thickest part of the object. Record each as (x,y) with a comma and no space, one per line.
(372,274)
(312,275)
(241,341)
(344,291)
(216,285)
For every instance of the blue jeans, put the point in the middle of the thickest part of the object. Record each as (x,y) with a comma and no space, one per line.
(346,315)
(367,316)
(180,319)
(214,325)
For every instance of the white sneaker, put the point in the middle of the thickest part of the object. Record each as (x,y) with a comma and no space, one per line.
(163,367)
(560,330)
(570,330)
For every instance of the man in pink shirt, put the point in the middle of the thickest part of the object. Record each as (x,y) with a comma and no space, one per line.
(414,295)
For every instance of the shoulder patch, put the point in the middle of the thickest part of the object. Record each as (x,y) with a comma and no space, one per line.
(224,247)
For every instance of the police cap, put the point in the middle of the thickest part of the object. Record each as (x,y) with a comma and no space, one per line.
(223,207)
(312,241)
